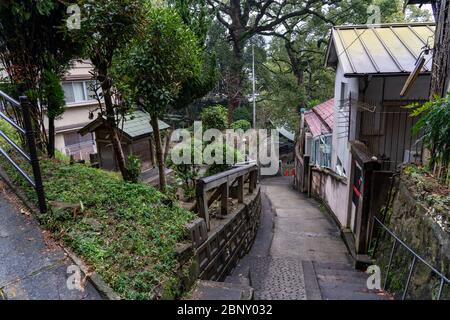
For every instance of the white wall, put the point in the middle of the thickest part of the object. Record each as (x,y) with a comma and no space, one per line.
(333,192)
(340,148)
(73,116)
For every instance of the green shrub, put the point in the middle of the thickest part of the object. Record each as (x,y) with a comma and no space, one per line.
(227,150)
(241,124)
(126,231)
(214,118)
(134,166)
(434,122)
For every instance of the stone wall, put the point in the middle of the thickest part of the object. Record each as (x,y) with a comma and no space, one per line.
(409,220)
(213,255)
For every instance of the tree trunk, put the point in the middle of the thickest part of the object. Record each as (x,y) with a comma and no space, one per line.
(112,128)
(236,73)
(167,144)
(51,137)
(152,151)
(159,152)
(441,58)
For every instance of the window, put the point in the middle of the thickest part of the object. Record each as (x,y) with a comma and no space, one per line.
(321,151)
(80,91)
(73,138)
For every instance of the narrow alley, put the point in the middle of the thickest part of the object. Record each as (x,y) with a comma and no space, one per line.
(298,252)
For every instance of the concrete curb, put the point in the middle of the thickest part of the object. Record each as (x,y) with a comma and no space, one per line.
(311,284)
(96,280)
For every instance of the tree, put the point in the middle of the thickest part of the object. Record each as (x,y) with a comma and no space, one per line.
(245,18)
(108,26)
(33,51)
(296,76)
(53,96)
(195,15)
(154,66)
(214,118)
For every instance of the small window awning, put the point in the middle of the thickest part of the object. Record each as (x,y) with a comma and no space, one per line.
(135,125)
(319,119)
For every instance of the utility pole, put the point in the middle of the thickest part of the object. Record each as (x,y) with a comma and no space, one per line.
(254,86)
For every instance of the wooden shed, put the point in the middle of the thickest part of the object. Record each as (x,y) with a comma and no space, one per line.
(135,135)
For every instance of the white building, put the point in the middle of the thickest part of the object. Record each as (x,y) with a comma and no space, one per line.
(80,101)
(372,130)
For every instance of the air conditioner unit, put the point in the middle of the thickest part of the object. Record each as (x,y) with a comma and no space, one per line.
(412,156)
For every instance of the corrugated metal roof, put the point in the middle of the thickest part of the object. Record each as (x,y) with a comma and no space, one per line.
(286,133)
(380,49)
(135,125)
(138,124)
(320,118)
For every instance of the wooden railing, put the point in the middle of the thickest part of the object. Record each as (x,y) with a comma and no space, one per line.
(218,186)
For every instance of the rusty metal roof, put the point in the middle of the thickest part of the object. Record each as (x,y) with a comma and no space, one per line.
(380,49)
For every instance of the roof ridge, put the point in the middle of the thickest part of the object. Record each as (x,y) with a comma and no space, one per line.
(385,25)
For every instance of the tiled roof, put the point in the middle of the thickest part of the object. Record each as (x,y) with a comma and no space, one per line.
(320,118)
(380,49)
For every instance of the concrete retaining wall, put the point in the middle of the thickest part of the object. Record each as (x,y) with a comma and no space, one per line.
(332,190)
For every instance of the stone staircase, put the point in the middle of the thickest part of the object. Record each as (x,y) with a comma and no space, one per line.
(298,254)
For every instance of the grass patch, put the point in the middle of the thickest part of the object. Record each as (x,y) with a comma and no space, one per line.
(126,232)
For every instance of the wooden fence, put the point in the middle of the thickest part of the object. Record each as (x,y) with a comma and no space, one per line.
(223,185)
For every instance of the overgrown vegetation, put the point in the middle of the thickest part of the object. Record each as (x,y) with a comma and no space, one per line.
(125,231)
(427,190)
(435,125)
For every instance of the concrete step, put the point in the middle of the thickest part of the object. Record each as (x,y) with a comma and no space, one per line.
(240,276)
(213,290)
(338,281)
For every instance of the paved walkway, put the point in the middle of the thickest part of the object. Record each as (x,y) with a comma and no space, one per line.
(298,252)
(31,266)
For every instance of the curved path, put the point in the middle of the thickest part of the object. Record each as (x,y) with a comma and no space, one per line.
(298,252)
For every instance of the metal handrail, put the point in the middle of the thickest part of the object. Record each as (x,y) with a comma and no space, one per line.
(13,101)
(442,276)
(15,125)
(32,157)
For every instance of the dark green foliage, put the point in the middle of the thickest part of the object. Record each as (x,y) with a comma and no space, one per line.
(221,167)
(125,231)
(134,168)
(241,124)
(243,113)
(214,118)
(33,44)
(158,61)
(53,94)
(187,173)
(435,125)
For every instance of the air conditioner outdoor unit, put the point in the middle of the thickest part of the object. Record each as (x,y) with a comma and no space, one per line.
(412,156)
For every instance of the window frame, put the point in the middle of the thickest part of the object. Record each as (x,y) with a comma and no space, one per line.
(85,92)
(318,157)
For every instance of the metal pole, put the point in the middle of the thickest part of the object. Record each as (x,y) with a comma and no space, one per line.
(254,86)
(411,270)
(29,134)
